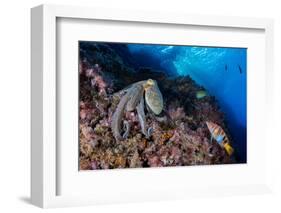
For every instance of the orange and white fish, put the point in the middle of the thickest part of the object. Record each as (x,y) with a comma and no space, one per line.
(219,135)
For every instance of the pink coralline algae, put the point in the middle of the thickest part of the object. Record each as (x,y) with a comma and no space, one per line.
(94,74)
(180,136)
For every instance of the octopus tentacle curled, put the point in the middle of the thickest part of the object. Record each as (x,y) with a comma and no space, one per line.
(132,99)
(117,117)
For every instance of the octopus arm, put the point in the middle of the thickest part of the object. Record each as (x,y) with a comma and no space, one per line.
(141,116)
(127,129)
(136,93)
(117,117)
(128,88)
(123,91)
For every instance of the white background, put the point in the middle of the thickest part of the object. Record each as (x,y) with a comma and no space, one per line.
(71,182)
(15,98)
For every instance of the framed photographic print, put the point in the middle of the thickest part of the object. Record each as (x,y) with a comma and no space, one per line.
(130,106)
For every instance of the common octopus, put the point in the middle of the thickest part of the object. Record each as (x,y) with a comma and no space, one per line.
(135,96)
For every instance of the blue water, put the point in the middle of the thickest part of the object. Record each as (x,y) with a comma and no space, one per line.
(222,71)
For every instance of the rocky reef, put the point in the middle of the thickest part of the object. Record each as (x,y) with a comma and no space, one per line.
(181,139)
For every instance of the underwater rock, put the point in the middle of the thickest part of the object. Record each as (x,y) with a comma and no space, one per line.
(135,160)
(181,139)
(154,161)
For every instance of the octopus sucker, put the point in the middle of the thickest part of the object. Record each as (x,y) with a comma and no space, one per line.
(134,98)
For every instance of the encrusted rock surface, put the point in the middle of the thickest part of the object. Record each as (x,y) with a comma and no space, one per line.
(181,139)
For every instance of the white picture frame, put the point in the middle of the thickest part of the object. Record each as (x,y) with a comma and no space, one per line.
(45,171)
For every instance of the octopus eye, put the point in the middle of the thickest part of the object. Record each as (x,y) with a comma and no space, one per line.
(150,82)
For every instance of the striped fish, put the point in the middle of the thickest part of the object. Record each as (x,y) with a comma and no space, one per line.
(219,135)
